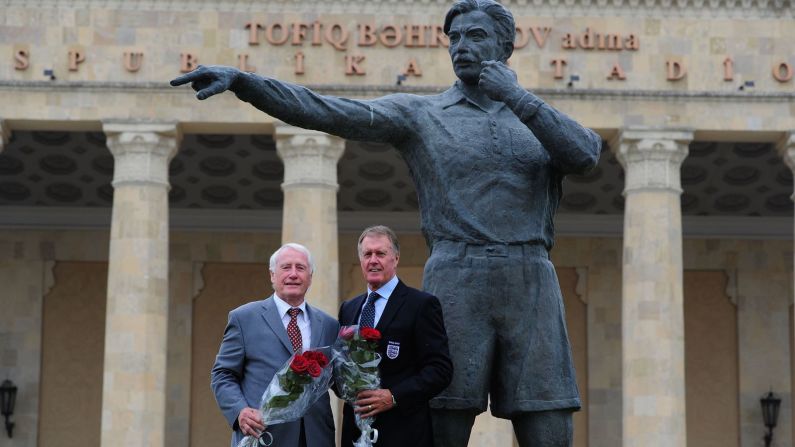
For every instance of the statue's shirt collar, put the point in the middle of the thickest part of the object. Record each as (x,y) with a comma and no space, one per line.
(456,94)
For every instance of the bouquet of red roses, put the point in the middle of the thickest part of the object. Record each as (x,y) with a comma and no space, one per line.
(356,359)
(294,388)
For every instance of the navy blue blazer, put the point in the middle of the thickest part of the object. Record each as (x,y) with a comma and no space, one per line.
(415,365)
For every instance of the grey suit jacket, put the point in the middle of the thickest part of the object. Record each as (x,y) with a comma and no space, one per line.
(254,347)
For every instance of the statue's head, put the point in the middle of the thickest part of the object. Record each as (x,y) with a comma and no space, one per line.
(479,30)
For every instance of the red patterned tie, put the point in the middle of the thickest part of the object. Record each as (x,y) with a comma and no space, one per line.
(293,331)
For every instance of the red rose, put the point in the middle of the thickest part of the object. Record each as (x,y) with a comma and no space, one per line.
(346,333)
(317,356)
(314,369)
(299,364)
(370,334)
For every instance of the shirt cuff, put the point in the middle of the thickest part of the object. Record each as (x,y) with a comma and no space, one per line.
(245,84)
(524,104)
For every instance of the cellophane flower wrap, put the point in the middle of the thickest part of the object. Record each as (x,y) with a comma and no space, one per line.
(295,387)
(356,359)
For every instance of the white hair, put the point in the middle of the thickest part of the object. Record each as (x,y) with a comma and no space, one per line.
(292,246)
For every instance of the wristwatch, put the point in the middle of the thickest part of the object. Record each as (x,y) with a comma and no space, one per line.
(394,401)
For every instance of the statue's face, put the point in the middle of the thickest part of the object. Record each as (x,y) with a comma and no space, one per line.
(473,40)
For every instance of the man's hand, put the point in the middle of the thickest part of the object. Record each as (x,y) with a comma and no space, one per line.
(498,81)
(371,402)
(209,81)
(250,422)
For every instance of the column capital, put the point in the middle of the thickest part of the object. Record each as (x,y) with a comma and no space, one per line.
(786,148)
(652,158)
(141,151)
(310,157)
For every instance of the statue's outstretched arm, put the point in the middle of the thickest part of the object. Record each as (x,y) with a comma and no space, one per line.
(379,120)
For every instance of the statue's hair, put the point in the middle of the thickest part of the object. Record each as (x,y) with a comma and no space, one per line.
(381,230)
(504,24)
(292,246)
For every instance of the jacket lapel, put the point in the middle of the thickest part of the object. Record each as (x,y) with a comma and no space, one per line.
(316,324)
(393,305)
(354,309)
(271,316)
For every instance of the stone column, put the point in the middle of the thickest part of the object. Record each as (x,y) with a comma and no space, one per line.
(310,205)
(653,356)
(786,148)
(133,389)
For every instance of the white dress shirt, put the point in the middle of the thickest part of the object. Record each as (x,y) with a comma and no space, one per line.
(385,291)
(302,319)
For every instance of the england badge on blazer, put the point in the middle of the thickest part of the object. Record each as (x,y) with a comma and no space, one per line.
(392,350)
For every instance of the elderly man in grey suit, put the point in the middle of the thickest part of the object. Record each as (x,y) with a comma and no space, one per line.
(259,338)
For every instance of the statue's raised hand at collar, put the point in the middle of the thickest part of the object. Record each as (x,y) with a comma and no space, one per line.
(498,81)
(209,81)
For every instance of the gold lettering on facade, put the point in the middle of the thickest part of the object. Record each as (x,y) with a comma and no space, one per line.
(633,42)
(299,63)
(616,73)
(299,32)
(412,36)
(674,70)
(390,36)
(590,40)
(587,40)
(21,60)
(253,32)
(133,60)
(188,62)
(728,69)
(420,35)
(316,25)
(568,41)
(540,34)
(415,36)
(782,72)
(337,36)
(521,39)
(367,35)
(613,42)
(242,63)
(271,34)
(76,57)
(352,66)
(438,37)
(412,69)
(558,64)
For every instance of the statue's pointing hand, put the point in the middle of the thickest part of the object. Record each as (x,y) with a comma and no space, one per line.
(209,81)
(498,81)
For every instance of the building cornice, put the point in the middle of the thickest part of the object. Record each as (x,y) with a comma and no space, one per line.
(379,90)
(520,8)
(566,225)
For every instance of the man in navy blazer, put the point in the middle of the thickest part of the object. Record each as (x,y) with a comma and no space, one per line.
(415,360)
(256,344)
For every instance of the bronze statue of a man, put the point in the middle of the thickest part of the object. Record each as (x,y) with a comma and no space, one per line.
(487,158)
